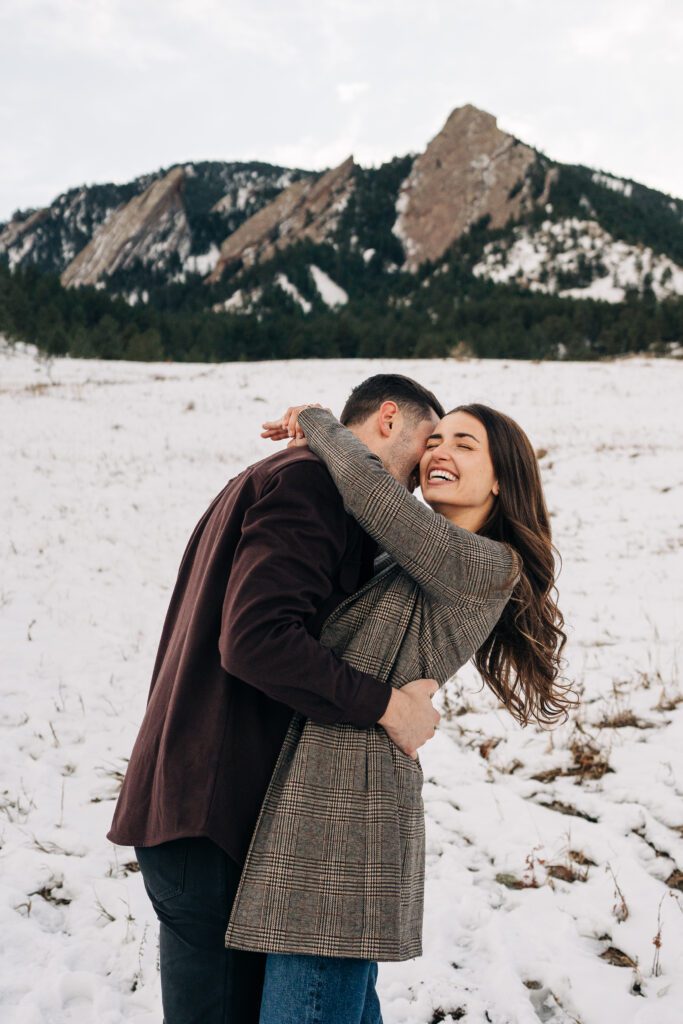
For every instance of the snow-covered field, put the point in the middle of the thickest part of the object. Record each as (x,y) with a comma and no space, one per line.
(105,469)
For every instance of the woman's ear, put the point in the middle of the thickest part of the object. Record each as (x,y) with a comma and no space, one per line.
(495,489)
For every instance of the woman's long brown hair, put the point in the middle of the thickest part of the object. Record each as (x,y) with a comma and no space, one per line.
(521,659)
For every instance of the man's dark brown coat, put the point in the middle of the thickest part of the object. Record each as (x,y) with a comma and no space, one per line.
(272,556)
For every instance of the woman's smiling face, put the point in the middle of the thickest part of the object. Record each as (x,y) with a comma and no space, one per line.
(456,472)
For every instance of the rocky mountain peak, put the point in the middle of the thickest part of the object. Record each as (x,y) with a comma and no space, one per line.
(471,169)
(308,209)
(14,229)
(146,227)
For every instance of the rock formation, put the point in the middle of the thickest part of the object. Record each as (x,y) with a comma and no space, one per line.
(470,169)
(310,208)
(14,229)
(148,228)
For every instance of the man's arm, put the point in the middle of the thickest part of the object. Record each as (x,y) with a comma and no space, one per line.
(293,539)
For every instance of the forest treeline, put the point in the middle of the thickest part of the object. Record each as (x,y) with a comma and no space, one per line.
(462,315)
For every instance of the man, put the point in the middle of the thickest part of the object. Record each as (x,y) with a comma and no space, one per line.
(274,554)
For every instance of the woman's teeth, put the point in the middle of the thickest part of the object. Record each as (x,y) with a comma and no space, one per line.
(442,474)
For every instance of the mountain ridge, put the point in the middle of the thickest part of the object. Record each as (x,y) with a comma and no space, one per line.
(479,219)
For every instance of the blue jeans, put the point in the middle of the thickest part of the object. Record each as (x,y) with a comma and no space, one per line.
(300,989)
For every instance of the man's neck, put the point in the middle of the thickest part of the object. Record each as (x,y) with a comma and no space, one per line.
(370,439)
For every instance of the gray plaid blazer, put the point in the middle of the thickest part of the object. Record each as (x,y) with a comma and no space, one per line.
(336,862)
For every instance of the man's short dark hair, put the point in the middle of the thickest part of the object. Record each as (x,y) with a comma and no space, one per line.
(366,398)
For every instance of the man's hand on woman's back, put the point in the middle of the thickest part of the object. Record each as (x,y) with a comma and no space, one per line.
(410,718)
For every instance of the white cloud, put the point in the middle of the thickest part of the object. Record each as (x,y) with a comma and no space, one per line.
(309,154)
(347,92)
(102,29)
(622,31)
(108,89)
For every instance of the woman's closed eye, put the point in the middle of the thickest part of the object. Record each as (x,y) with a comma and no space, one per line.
(467,447)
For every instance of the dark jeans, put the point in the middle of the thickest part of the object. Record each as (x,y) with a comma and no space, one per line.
(192,885)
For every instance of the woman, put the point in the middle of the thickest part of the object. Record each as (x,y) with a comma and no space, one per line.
(336,864)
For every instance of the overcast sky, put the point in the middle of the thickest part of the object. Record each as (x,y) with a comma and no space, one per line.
(104,90)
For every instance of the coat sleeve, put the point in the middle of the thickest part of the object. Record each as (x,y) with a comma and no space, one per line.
(450,563)
(292,544)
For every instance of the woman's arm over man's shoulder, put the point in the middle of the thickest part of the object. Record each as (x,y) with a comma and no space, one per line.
(450,563)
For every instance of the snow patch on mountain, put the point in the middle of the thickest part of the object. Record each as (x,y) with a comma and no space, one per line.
(578,259)
(241,301)
(202,263)
(247,188)
(282,281)
(398,228)
(616,184)
(331,294)
(20,251)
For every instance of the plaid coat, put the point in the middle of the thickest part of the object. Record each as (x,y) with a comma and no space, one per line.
(336,862)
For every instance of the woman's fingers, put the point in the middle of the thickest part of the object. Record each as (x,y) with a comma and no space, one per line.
(290,420)
(274,430)
(288,425)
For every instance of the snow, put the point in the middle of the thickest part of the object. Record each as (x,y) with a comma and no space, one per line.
(224,205)
(203,263)
(236,301)
(20,250)
(108,466)
(285,180)
(331,294)
(615,184)
(282,281)
(135,296)
(340,205)
(403,200)
(244,194)
(240,301)
(401,207)
(533,259)
(368,254)
(244,187)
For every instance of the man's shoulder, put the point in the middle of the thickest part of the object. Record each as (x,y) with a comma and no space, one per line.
(292,468)
(287,458)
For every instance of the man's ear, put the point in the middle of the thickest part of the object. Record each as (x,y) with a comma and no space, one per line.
(386,417)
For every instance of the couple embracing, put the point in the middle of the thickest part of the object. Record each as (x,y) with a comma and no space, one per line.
(273,795)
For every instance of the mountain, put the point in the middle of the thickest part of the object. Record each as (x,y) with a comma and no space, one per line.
(123,224)
(470,170)
(307,210)
(480,241)
(148,228)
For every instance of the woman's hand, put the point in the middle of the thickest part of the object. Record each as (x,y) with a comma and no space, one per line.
(288,426)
